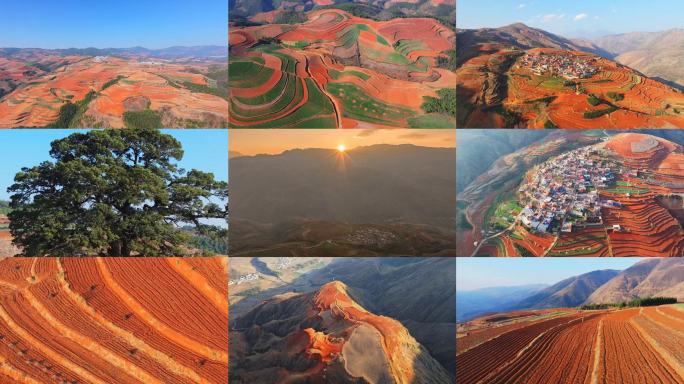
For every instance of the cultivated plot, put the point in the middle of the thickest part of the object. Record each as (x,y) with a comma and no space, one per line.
(159,320)
(346,65)
(613,333)
(168,67)
(597,193)
(546,65)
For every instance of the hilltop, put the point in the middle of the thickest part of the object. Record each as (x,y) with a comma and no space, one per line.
(517,76)
(376,306)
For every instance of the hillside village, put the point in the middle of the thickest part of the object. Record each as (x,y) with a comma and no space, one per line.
(562,192)
(568,66)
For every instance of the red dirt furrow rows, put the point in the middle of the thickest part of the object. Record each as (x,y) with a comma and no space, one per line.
(625,349)
(59,306)
(170,299)
(561,355)
(477,363)
(83,274)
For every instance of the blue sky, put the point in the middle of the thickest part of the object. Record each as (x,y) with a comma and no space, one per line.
(113,24)
(475,273)
(577,18)
(206,150)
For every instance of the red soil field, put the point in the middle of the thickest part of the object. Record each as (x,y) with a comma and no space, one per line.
(324,53)
(37,103)
(584,347)
(110,331)
(646,102)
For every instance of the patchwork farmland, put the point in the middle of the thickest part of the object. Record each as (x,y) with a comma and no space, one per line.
(571,346)
(43,88)
(125,320)
(621,196)
(336,70)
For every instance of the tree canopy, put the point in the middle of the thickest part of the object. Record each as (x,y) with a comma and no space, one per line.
(113,193)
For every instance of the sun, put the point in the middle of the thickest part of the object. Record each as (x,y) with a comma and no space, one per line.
(341,148)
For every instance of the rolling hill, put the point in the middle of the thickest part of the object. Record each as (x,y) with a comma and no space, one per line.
(331,68)
(517,76)
(570,292)
(409,301)
(643,184)
(114,88)
(655,54)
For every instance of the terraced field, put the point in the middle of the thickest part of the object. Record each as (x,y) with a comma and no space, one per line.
(496,91)
(579,347)
(119,321)
(646,217)
(339,71)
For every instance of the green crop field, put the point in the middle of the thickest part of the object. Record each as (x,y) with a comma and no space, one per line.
(338,74)
(432,120)
(361,106)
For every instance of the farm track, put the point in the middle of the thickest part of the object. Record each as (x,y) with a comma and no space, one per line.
(637,345)
(103,336)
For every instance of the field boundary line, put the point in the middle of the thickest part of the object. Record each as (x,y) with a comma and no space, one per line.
(597,353)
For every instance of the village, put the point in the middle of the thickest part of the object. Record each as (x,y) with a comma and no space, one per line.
(562,193)
(566,65)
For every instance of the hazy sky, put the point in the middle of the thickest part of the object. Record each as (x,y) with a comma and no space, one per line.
(267,141)
(113,23)
(206,150)
(576,18)
(482,272)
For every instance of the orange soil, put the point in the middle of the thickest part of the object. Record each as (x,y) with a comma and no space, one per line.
(38,104)
(315,61)
(333,297)
(100,340)
(589,347)
(643,104)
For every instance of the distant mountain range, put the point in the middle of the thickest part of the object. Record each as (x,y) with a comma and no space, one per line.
(374,184)
(647,278)
(380,9)
(658,55)
(203,51)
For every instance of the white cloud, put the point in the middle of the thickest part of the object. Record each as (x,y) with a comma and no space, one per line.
(581,16)
(521,6)
(551,17)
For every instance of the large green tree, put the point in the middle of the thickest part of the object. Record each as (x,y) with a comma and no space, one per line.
(114,193)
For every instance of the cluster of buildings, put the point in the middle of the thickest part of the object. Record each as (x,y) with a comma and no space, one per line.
(556,64)
(563,192)
(371,236)
(244,279)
